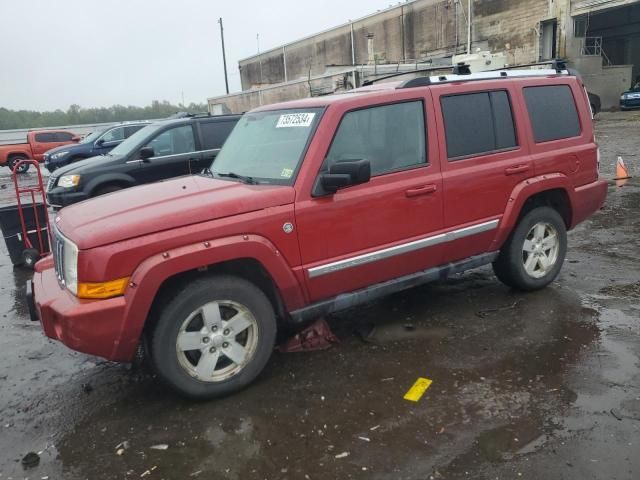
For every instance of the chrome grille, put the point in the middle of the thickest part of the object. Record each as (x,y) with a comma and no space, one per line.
(58,254)
(51,183)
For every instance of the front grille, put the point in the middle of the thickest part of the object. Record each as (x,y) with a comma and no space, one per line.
(58,254)
(51,183)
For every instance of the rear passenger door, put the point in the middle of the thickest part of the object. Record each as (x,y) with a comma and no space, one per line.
(212,136)
(484,156)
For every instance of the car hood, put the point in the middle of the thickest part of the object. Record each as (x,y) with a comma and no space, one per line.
(631,91)
(175,203)
(88,164)
(68,146)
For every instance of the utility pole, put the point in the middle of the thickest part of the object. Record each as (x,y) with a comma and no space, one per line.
(224,56)
(469,17)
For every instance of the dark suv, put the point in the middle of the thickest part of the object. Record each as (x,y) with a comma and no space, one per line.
(98,142)
(164,149)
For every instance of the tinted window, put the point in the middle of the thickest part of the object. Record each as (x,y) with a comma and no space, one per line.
(114,135)
(173,142)
(215,133)
(46,137)
(128,131)
(553,112)
(391,137)
(63,136)
(478,123)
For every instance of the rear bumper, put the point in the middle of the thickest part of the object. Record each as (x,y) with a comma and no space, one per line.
(587,200)
(88,326)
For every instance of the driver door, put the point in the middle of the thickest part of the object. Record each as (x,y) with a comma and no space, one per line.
(174,153)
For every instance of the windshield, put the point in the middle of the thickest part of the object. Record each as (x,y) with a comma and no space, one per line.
(134,140)
(93,136)
(267,146)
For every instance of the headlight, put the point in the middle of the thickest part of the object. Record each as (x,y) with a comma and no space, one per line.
(58,155)
(69,181)
(70,262)
(623,97)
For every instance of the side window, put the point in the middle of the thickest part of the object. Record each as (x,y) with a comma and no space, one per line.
(215,133)
(46,137)
(478,123)
(63,136)
(553,112)
(128,131)
(173,141)
(114,135)
(391,137)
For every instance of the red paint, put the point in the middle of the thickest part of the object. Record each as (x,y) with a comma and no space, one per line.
(153,232)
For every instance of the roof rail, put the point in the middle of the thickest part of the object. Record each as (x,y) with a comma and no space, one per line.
(462,73)
(366,83)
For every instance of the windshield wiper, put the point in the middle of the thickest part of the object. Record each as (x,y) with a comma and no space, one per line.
(242,178)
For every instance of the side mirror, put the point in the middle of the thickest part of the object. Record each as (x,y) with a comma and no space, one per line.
(100,142)
(346,174)
(76,138)
(146,153)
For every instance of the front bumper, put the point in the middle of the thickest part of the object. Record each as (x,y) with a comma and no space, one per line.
(61,197)
(88,326)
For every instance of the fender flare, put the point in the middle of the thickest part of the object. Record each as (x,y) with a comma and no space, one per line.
(521,193)
(108,178)
(149,276)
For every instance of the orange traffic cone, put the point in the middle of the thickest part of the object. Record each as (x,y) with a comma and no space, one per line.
(621,170)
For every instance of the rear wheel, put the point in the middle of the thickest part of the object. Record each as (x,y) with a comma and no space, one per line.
(13,161)
(534,253)
(214,337)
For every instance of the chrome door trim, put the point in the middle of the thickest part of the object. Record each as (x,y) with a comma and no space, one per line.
(402,249)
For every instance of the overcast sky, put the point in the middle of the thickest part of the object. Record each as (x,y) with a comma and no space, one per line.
(54,53)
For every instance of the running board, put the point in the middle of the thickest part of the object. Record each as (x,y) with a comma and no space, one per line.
(348,300)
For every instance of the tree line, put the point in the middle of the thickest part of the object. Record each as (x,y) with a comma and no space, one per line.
(76,115)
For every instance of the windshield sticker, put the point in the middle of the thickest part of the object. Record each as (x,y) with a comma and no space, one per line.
(286,173)
(295,120)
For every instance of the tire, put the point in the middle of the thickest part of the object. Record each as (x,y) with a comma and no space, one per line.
(516,267)
(13,161)
(106,189)
(29,257)
(205,371)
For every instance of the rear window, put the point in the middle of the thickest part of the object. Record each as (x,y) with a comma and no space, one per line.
(553,112)
(478,123)
(215,133)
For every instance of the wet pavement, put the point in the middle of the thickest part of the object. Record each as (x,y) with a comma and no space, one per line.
(542,385)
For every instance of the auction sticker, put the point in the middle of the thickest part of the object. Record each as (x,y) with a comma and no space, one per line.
(295,120)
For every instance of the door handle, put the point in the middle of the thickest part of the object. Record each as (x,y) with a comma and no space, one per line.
(517,169)
(423,190)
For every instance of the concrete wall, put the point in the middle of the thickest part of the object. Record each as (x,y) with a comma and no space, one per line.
(609,84)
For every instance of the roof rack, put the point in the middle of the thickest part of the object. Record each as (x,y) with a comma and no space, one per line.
(462,73)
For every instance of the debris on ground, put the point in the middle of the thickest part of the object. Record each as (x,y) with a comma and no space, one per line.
(30,460)
(364,439)
(317,336)
(121,447)
(160,446)
(616,413)
(343,455)
(485,312)
(417,390)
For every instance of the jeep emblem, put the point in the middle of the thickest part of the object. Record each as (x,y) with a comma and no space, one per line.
(287,227)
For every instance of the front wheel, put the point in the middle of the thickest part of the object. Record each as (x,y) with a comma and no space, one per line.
(13,161)
(214,337)
(534,253)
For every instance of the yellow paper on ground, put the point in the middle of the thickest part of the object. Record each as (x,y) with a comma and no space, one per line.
(417,390)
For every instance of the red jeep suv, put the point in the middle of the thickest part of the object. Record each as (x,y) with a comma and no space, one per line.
(317,205)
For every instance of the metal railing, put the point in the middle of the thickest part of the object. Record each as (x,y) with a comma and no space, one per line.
(592,47)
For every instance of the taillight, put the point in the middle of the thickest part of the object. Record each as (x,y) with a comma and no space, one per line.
(598,159)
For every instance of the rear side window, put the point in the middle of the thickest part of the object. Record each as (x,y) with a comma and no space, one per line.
(215,133)
(553,112)
(391,137)
(128,131)
(46,137)
(478,123)
(63,136)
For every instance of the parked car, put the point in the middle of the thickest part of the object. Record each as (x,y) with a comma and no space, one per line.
(630,99)
(165,149)
(317,205)
(98,142)
(38,142)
